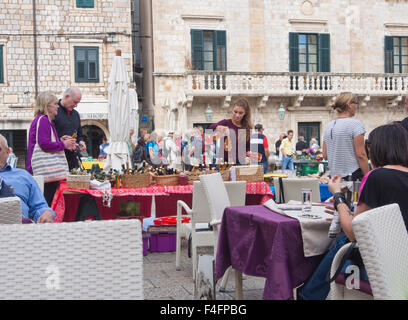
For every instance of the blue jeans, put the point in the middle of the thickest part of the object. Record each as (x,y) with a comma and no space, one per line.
(265,166)
(287,162)
(317,286)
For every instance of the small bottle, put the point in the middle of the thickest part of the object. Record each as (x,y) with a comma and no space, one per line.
(182,179)
(335,227)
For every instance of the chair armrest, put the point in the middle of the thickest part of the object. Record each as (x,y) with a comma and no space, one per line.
(215,222)
(182,205)
(340,258)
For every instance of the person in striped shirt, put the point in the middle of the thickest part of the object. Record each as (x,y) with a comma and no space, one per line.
(343,140)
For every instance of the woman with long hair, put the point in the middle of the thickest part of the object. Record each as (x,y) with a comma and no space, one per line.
(343,140)
(386,184)
(46,110)
(238,129)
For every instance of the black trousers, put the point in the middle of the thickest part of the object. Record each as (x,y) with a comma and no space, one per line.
(49,191)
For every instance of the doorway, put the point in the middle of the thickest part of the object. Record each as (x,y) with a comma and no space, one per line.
(93,138)
(309,130)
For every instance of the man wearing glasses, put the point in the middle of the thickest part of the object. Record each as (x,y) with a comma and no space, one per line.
(67,122)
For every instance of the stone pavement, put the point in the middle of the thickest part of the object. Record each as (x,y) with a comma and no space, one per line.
(163,282)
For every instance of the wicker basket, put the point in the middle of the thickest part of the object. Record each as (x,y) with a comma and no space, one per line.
(249,173)
(136,180)
(194,176)
(225,174)
(167,180)
(78,181)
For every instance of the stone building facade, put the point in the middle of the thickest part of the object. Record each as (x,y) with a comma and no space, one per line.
(258,59)
(61,27)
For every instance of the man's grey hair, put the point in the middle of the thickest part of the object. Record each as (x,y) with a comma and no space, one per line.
(3,138)
(301,138)
(71,91)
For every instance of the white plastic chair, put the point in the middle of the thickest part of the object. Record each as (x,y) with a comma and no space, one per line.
(201,217)
(40,182)
(10,210)
(218,200)
(76,260)
(292,188)
(383,243)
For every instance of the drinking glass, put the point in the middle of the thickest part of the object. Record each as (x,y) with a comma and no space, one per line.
(306,201)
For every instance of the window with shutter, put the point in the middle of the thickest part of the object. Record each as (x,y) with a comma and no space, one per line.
(389,54)
(85,3)
(396,54)
(86,64)
(208,50)
(1,65)
(309,52)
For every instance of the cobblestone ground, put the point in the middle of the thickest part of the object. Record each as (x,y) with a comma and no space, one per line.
(163,282)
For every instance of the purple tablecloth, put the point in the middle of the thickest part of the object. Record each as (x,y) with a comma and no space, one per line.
(259,242)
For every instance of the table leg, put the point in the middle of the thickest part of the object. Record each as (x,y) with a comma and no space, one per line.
(153,207)
(238,285)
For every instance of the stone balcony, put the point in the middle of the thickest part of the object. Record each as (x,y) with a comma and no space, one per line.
(299,85)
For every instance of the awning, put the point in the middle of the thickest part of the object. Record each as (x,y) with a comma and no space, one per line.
(93,108)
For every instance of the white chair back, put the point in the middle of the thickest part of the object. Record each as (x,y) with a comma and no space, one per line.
(10,210)
(292,188)
(81,260)
(382,238)
(216,193)
(236,191)
(40,182)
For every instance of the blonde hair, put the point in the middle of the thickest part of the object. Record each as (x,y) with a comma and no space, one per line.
(342,100)
(44,99)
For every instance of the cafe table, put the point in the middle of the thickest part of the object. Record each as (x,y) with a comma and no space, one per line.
(259,242)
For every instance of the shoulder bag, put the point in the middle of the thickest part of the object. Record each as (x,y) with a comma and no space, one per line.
(52,166)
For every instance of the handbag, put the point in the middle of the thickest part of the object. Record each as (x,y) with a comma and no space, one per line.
(53,166)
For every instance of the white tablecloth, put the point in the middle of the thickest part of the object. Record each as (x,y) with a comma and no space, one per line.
(314,231)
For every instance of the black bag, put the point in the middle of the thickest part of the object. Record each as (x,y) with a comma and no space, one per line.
(138,154)
(5,189)
(352,254)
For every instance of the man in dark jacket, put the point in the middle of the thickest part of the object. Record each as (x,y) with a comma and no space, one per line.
(67,122)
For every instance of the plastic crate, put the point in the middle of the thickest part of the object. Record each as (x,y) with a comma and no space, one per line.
(163,241)
(310,169)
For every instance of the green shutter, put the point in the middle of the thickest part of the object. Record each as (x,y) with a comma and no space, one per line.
(220,50)
(293,52)
(197,50)
(1,65)
(324,52)
(86,64)
(85,3)
(389,54)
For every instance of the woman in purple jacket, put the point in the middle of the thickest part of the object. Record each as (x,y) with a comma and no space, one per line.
(238,130)
(46,110)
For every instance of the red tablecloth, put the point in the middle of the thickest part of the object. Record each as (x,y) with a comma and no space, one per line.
(65,206)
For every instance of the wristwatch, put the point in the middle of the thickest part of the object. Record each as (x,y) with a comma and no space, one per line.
(338,198)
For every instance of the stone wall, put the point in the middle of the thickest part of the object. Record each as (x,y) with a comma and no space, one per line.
(60,27)
(257,40)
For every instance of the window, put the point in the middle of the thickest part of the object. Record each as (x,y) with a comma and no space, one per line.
(1,65)
(86,64)
(85,3)
(396,54)
(309,130)
(309,52)
(208,50)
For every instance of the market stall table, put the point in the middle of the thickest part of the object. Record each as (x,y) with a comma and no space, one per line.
(258,242)
(324,191)
(66,200)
